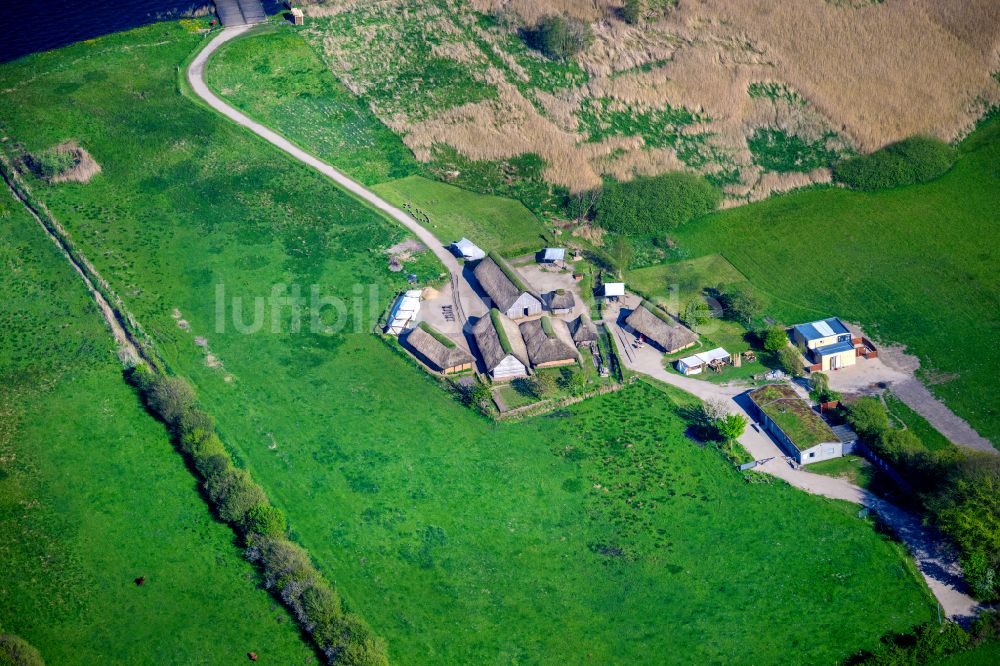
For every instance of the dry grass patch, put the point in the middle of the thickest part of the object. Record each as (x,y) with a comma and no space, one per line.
(850,76)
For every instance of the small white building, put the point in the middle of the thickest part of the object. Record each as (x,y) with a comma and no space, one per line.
(693,365)
(468,250)
(614,290)
(403,311)
(553,255)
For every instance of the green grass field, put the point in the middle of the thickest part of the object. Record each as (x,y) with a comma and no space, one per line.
(597,533)
(92,495)
(855,469)
(274,76)
(914,265)
(901,412)
(493,223)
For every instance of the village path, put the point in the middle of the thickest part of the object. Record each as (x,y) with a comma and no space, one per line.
(464,295)
(935,558)
(938,565)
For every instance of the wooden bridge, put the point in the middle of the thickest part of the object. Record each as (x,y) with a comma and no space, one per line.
(240,12)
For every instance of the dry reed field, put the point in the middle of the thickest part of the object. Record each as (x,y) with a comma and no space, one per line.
(759,97)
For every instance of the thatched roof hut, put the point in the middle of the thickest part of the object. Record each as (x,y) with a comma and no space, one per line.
(548,342)
(438,350)
(501,346)
(582,329)
(560,301)
(507,289)
(660,328)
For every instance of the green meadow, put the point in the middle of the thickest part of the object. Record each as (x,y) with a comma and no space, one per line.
(274,75)
(92,495)
(598,533)
(913,265)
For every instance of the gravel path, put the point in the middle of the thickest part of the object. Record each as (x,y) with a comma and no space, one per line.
(936,560)
(466,298)
(938,566)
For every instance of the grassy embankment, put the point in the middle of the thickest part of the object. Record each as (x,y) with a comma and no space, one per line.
(915,265)
(603,532)
(276,77)
(92,495)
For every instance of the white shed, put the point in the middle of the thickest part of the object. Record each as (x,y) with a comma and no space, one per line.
(404,310)
(614,289)
(468,250)
(692,365)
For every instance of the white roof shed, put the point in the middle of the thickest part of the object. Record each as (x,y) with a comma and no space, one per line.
(404,310)
(614,288)
(692,365)
(468,250)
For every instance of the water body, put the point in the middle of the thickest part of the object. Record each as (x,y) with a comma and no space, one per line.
(30,26)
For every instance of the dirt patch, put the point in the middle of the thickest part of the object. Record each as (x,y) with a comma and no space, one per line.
(409,246)
(83,168)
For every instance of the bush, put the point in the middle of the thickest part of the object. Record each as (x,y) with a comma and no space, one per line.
(917,159)
(543,384)
(15,651)
(869,419)
(650,206)
(343,637)
(774,338)
(265,520)
(52,162)
(740,302)
(632,11)
(171,398)
(234,493)
(791,361)
(559,37)
(966,507)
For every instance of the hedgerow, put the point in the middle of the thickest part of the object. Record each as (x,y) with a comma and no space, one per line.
(957,489)
(655,205)
(913,160)
(237,499)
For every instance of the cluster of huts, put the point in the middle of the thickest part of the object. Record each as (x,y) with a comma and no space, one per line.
(508,349)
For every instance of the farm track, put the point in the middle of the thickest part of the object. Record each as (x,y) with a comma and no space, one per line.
(936,562)
(196,78)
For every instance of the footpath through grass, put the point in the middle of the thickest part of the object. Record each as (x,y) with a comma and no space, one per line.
(598,532)
(914,265)
(273,75)
(92,495)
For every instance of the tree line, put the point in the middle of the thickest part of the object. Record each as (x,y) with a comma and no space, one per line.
(287,569)
(959,491)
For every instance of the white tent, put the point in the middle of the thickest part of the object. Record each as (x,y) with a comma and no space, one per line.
(614,289)
(692,365)
(468,250)
(404,310)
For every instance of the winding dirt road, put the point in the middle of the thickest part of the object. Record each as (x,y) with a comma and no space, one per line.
(465,296)
(937,563)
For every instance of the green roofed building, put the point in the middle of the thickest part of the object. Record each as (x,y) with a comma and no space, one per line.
(800,431)
(437,350)
(660,328)
(501,346)
(548,342)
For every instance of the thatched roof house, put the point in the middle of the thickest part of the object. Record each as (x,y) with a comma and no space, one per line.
(660,328)
(501,346)
(438,350)
(548,342)
(559,301)
(582,330)
(507,289)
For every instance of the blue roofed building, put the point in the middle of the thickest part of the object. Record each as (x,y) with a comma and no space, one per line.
(827,343)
